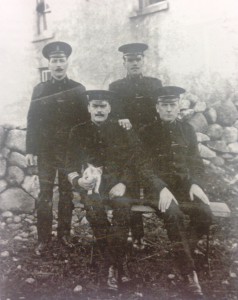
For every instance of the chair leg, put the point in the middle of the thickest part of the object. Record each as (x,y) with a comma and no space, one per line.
(207,252)
(92,252)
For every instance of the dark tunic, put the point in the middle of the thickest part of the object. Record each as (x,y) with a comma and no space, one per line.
(137,99)
(173,151)
(108,145)
(56,107)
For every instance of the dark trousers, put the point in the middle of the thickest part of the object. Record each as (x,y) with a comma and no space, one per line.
(111,235)
(48,165)
(184,239)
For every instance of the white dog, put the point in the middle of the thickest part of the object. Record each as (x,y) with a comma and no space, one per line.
(95,173)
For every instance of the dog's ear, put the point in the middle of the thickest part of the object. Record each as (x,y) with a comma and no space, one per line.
(89,165)
(100,169)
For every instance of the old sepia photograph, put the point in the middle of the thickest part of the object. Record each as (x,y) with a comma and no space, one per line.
(119,150)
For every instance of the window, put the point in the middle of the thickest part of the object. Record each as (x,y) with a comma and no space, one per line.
(145,3)
(45,74)
(150,6)
(43,21)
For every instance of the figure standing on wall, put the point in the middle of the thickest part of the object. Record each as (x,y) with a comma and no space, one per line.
(136,108)
(56,106)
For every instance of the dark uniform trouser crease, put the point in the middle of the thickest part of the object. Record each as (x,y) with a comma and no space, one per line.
(184,239)
(48,167)
(111,236)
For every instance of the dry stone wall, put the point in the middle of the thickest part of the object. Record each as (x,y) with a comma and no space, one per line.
(19,184)
(217,135)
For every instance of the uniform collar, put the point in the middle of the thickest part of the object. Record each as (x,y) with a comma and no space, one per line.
(134,78)
(59,82)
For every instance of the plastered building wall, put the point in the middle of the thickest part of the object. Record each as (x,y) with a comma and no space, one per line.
(193,44)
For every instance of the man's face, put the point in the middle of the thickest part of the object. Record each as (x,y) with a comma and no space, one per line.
(99,110)
(58,67)
(133,64)
(168,111)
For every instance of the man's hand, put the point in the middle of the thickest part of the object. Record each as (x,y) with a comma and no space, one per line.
(117,191)
(195,190)
(166,197)
(125,123)
(31,160)
(87,184)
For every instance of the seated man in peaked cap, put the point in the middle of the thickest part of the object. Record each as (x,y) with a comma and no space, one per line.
(56,106)
(102,142)
(135,107)
(171,145)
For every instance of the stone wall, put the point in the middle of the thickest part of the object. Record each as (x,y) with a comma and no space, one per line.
(217,134)
(19,184)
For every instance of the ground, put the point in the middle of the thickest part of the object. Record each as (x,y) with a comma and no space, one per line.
(64,274)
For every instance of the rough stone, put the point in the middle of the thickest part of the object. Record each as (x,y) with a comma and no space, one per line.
(5,152)
(16,200)
(236,124)
(184,104)
(228,156)
(215,131)
(17,219)
(9,220)
(211,115)
(201,137)
(3,167)
(16,140)
(233,147)
(200,106)
(31,185)
(191,97)
(78,289)
(15,175)
(17,159)
(5,254)
(3,185)
(186,114)
(199,123)
(2,136)
(33,170)
(219,146)
(205,152)
(14,226)
(218,161)
(7,214)
(230,135)
(206,162)
(226,113)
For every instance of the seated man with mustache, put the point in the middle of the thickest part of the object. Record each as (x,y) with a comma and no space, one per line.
(102,142)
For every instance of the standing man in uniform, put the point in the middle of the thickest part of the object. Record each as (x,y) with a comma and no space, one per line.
(171,146)
(56,106)
(136,108)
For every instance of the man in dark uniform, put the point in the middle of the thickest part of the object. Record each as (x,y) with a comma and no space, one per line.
(136,108)
(56,106)
(171,146)
(102,142)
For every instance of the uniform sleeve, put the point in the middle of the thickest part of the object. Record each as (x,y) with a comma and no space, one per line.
(75,157)
(33,124)
(83,114)
(117,112)
(195,163)
(139,164)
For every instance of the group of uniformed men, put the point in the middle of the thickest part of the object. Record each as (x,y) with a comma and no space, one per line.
(133,132)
